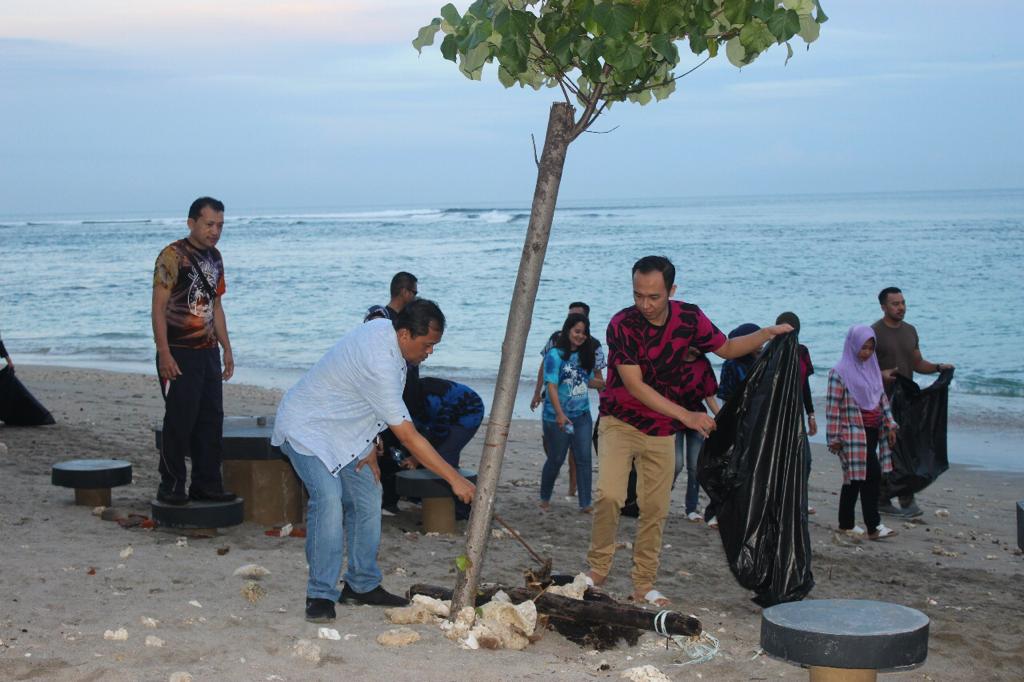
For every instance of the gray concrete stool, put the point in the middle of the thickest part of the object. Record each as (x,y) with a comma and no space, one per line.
(257,471)
(438,503)
(847,640)
(200,515)
(92,479)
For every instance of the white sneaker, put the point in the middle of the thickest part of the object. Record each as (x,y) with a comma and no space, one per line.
(696,517)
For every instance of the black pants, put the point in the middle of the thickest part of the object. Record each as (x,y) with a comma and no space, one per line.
(866,489)
(193,422)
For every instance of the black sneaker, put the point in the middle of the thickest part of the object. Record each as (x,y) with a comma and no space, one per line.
(211,495)
(378,596)
(319,610)
(171,497)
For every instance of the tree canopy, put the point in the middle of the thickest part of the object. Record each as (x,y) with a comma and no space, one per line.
(604,51)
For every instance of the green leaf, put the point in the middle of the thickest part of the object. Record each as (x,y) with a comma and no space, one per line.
(799,6)
(809,28)
(663,91)
(756,37)
(784,24)
(425,36)
(736,53)
(712,48)
(663,45)
(462,563)
(472,62)
(505,77)
(737,11)
(615,19)
(479,32)
(789,53)
(450,14)
(820,17)
(625,56)
(699,43)
(449,47)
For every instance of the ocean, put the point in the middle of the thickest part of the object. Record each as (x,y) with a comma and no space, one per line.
(76,288)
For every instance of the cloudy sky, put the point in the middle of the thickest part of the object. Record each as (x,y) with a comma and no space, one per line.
(113,106)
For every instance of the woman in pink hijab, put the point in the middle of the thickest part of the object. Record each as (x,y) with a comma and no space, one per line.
(860,430)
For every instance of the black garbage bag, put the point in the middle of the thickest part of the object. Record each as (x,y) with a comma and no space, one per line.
(18,407)
(752,467)
(920,455)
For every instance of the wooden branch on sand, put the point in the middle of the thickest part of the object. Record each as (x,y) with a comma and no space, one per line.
(596,608)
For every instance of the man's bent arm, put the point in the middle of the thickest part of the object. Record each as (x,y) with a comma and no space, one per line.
(633,380)
(923,366)
(745,345)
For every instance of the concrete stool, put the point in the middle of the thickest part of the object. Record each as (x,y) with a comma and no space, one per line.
(199,515)
(438,503)
(846,640)
(258,472)
(92,479)
(1020,525)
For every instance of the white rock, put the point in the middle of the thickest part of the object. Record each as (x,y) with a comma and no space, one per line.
(306,650)
(195,603)
(645,673)
(118,635)
(182,542)
(253,591)
(180,677)
(410,615)
(501,595)
(286,530)
(573,590)
(398,637)
(98,511)
(328,633)
(350,636)
(152,640)
(942,513)
(435,606)
(251,572)
(127,552)
(149,622)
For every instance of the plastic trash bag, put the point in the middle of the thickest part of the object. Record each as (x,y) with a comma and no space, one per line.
(752,467)
(18,407)
(920,454)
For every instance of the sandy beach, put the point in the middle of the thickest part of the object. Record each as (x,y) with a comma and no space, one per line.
(66,577)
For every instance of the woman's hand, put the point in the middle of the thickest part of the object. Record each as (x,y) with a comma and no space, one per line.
(892,438)
(836,447)
(561,420)
(535,401)
(812,425)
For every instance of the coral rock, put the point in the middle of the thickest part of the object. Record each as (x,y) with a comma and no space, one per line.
(306,650)
(251,572)
(152,640)
(398,637)
(253,591)
(645,673)
(118,635)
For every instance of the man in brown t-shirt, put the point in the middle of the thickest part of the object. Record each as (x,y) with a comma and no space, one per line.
(898,351)
(188,324)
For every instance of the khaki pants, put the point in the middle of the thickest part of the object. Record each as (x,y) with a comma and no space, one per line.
(619,447)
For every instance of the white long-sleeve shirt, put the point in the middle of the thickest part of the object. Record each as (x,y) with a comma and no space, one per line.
(353,393)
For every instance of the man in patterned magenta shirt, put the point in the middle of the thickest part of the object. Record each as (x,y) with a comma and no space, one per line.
(642,410)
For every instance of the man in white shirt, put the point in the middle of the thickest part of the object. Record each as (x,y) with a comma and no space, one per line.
(327,425)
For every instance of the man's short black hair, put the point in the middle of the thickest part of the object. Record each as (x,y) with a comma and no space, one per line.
(884,293)
(419,316)
(580,304)
(657,263)
(202,202)
(403,280)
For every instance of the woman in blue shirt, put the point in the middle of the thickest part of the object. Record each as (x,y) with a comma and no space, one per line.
(568,369)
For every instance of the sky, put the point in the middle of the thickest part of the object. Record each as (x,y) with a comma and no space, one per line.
(119,106)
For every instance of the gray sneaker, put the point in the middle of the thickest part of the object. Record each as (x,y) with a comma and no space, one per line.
(890,510)
(912,511)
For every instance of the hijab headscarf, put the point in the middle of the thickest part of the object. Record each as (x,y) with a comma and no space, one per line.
(862,379)
(743,330)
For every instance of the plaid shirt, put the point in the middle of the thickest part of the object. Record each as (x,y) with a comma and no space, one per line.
(846,427)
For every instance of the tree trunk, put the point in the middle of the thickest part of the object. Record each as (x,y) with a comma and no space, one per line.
(581,612)
(545,195)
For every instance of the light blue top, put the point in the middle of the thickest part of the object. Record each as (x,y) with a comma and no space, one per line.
(572,380)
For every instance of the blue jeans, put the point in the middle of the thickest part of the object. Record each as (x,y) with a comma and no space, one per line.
(558,445)
(342,510)
(691,442)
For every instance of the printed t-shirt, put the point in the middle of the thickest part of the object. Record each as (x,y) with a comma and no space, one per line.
(600,362)
(190,308)
(571,379)
(895,348)
(659,353)
(697,383)
(438,404)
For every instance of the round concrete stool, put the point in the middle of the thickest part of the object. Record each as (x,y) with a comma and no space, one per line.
(199,514)
(257,471)
(845,639)
(438,503)
(92,479)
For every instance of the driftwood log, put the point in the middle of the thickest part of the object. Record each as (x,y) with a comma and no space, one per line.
(596,608)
